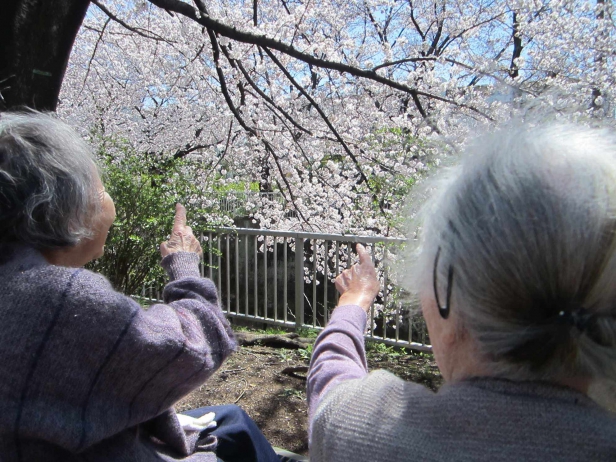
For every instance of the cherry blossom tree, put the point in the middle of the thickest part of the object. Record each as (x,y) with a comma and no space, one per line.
(337,106)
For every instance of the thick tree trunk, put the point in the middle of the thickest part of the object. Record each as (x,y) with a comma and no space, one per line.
(36,38)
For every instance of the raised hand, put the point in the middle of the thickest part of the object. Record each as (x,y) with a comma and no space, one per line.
(182,238)
(359,285)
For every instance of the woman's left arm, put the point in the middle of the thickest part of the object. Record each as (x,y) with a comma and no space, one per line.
(339,353)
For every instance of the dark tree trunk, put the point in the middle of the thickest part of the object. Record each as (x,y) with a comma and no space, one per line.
(36,38)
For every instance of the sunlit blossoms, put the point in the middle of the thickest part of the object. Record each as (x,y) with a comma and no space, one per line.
(335,107)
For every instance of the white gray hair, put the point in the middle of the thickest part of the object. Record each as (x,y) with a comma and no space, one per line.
(47,181)
(528,226)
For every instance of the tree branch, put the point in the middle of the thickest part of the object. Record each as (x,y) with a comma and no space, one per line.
(517,48)
(363,177)
(98,41)
(321,113)
(188,149)
(223,84)
(220,159)
(268,147)
(266,42)
(451,61)
(417,28)
(260,92)
(270,150)
(136,30)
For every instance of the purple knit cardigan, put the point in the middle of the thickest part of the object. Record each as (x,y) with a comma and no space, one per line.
(88,375)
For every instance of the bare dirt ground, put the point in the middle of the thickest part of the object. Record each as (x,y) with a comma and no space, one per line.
(253,379)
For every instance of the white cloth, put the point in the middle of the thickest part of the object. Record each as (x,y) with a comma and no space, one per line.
(197,424)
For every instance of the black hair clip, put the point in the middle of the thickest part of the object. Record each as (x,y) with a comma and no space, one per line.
(578,317)
(585,322)
(443,310)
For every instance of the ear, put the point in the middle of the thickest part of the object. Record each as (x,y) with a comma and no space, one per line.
(446,329)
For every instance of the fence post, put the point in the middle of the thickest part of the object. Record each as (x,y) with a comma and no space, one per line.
(299,282)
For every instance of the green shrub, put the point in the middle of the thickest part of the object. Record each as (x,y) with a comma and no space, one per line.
(145,190)
(306,353)
(308,332)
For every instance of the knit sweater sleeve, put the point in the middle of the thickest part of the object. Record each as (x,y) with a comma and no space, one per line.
(339,354)
(107,364)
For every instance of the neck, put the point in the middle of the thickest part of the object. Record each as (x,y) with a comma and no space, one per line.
(471,368)
(463,361)
(577,383)
(63,257)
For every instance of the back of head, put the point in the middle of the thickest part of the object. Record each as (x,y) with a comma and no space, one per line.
(47,181)
(528,228)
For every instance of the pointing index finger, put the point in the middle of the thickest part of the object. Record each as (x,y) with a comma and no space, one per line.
(180,218)
(364,256)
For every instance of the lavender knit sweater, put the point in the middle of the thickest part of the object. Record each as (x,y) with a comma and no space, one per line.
(88,375)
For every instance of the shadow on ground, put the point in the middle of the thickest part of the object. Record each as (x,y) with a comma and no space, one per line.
(252,378)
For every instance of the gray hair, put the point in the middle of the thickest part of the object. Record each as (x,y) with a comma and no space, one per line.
(47,181)
(528,226)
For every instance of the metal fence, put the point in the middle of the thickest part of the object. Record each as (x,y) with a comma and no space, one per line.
(287,279)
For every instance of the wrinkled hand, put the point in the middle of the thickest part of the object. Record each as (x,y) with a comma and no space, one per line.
(359,285)
(182,238)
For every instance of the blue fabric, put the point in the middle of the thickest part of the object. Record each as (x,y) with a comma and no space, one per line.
(239,438)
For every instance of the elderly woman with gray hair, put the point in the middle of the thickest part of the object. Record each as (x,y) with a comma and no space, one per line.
(517,281)
(86,373)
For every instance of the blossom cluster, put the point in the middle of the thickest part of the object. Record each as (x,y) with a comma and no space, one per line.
(340,107)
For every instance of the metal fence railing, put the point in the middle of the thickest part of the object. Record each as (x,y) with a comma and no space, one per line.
(287,279)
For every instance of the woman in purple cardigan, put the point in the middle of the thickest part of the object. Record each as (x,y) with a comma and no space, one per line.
(517,280)
(86,373)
